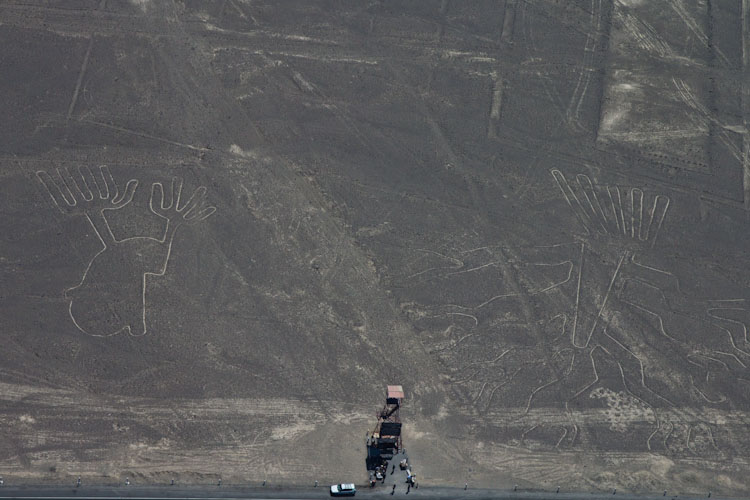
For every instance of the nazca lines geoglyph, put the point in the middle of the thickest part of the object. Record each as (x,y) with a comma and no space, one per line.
(111,296)
(627,214)
(614,211)
(622,223)
(612,322)
(622,217)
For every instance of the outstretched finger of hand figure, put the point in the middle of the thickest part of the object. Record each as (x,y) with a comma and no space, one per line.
(127,195)
(57,190)
(196,200)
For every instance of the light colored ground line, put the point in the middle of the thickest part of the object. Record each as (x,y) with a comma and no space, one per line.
(74,99)
(81,73)
(143,134)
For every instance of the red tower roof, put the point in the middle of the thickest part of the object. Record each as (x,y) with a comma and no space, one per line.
(395,392)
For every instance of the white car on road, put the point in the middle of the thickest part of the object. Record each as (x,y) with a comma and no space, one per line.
(343,490)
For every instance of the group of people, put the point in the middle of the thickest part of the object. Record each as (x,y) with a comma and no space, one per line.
(382,470)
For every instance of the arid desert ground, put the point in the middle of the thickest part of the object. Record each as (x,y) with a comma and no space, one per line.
(228,224)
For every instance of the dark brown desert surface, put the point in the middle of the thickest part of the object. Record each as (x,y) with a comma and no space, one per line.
(227,225)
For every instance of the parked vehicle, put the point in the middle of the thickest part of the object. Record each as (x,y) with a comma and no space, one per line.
(343,490)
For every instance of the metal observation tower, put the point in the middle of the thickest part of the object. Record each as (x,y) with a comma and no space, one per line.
(384,443)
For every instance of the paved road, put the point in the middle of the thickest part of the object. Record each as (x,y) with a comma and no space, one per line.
(232,492)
